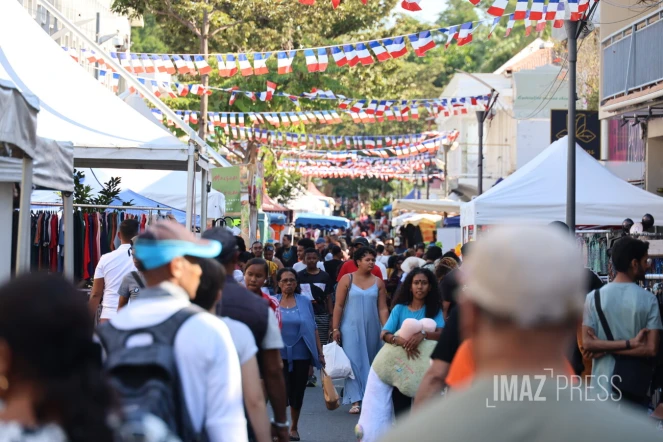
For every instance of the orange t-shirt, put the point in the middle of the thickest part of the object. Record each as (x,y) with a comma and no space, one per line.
(462,369)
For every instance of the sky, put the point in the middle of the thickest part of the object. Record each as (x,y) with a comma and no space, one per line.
(429,10)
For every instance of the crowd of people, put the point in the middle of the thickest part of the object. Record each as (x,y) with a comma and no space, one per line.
(194,336)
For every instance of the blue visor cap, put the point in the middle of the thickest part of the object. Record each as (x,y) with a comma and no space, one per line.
(153,254)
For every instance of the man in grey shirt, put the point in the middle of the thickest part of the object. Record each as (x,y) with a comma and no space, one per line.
(520,307)
(631,312)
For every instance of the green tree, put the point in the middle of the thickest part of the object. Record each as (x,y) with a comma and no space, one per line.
(282,185)
(83,193)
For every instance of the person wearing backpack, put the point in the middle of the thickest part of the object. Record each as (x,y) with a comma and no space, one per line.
(169,357)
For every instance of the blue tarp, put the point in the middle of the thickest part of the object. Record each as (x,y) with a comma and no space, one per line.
(452,221)
(276,218)
(316,221)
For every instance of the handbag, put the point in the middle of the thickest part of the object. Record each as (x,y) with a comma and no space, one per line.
(632,375)
(332,400)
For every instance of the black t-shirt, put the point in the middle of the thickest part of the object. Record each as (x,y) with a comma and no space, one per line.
(319,286)
(287,256)
(332,267)
(449,341)
(448,288)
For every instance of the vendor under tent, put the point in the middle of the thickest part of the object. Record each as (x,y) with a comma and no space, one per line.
(427,206)
(536,193)
(316,221)
(76,108)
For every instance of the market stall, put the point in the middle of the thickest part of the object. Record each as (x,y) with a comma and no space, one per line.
(536,193)
(29,160)
(427,206)
(317,221)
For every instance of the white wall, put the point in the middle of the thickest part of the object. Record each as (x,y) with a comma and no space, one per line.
(533,136)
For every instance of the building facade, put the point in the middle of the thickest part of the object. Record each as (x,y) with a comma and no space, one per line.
(631,93)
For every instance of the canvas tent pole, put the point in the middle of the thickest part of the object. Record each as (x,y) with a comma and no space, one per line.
(68,218)
(203,200)
(23,241)
(190,183)
(6,201)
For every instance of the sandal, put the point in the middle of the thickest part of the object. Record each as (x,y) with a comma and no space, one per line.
(294,438)
(355,409)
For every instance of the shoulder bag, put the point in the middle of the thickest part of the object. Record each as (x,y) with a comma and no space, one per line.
(632,374)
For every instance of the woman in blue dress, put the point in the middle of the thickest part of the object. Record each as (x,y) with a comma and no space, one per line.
(417,298)
(360,312)
(301,343)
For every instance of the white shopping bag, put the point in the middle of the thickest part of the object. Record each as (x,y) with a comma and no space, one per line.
(337,364)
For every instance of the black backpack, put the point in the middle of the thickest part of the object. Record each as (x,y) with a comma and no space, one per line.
(146,377)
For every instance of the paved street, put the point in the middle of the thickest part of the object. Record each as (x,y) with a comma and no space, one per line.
(317,424)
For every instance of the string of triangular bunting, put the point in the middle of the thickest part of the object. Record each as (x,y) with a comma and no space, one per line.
(346,54)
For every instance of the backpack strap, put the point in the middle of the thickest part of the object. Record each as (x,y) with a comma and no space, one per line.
(138,280)
(599,311)
(114,339)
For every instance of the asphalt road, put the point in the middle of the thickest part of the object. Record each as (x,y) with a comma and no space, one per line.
(317,424)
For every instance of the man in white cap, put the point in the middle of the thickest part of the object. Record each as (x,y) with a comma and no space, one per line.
(521,305)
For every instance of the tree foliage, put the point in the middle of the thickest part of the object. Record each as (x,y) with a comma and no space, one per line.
(282,185)
(272,25)
(83,193)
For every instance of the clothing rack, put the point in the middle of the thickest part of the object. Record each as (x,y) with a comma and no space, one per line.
(97,206)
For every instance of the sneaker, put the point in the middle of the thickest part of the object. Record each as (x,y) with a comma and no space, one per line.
(312,381)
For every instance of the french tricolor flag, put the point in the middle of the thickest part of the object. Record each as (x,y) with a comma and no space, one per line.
(339,56)
(358,106)
(575,10)
(411,5)
(372,107)
(136,64)
(115,81)
(422,43)
(551,10)
(498,7)
(559,16)
(244,66)
(147,64)
(168,65)
(363,54)
(345,104)
(102,76)
(285,61)
(182,89)
(536,12)
(311,60)
(224,69)
(380,53)
(89,55)
(189,64)
(396,47)
(509,25)
(233,97)
(260,63)
(452,33)
(465,34)
(528,25)
(194,117)
(323,60)
(124,61)
(351,55)
(180,64)
(583,5)
(271,88)
(202,65)
(496,21)
(541,23)
(521,10)
(158,64)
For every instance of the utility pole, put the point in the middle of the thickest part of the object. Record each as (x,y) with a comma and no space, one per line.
(572,46)
(481,117)
(97,37)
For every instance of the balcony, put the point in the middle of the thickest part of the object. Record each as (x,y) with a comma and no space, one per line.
(632,58)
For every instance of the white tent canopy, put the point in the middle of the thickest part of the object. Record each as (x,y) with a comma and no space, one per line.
(427,206)
(414,219)
(75,107)
(536,193)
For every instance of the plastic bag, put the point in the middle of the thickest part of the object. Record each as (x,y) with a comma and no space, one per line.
(332,400)
(337,363)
